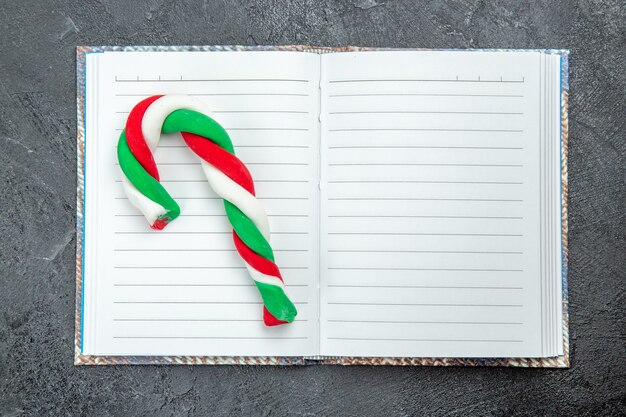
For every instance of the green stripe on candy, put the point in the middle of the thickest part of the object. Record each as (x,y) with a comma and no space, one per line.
(144,182)
(200,124)
(248,232)
(277,302)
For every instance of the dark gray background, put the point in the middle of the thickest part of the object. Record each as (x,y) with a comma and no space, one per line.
(37,210)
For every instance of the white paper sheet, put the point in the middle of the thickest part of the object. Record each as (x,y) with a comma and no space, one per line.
(429,185)
(403,194)
(184,290)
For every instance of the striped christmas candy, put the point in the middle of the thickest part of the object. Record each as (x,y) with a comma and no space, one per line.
(226,174)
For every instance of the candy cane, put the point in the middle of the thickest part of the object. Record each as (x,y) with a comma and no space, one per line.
(227,175)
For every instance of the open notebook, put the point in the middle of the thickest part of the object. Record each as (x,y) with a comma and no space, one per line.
(415,200)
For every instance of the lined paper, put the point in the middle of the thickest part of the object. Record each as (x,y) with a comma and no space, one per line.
(413,201)
(184,290)
(429,180)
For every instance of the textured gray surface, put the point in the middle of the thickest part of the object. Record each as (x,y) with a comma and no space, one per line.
(37,206)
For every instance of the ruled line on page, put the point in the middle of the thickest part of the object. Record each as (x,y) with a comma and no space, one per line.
(421,199)
(245,111)
(214,215)
(198,320)
(286,129)
(200,302)
(161,232)
(454,80)
(167,232)
(425,251)
(427,340)
(424,95)
(196,163)
(183,267)
(205,181)
(355,268)
(245,146)
(494,113)
(425,304)
(425,216)
(199,285)
(200,250)
(220,94)
(426,234)
(202,267)
(164,80)
(390,129)
(299,181)
(338,164)
(424,147)
(426,322)
(216,337)
(423,182)
(434,287)
(220,198)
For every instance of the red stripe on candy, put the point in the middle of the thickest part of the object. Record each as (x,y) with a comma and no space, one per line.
(136,141)
(221,159)
(270,320)
(262,265)
(259,263)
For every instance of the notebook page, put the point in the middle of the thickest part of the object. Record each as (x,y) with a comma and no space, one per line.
(430,201)
(184,290)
